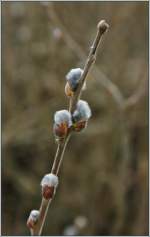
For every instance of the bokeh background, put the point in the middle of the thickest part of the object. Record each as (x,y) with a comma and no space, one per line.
(103,187)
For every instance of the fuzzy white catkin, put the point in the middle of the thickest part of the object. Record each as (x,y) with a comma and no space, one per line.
(63,116)
(34,215)
(74,73)
(82,111)
(50,180)
(74,76)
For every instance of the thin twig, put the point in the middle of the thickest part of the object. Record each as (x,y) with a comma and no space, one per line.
(137,95)
(63,151)
(101,29)
(56,159)
(99,76)
(108,85)
(45,203)
(90,61)
(102,80)
(43,212)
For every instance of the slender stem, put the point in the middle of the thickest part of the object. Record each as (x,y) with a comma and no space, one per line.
(97,74)
(63,151)
(56,159)
(89,62)
(101,29)
(55,170)
(32,232)
(44,210)
(43,213)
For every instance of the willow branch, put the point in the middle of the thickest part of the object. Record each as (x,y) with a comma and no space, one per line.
(101,79)
(116,94)
(97,74)
(61,147)
(101,29)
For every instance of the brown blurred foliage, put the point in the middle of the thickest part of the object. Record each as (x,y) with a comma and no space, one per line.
(104,176)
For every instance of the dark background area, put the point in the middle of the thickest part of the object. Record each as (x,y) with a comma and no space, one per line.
(104,176)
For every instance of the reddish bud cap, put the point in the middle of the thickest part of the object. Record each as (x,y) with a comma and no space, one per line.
(60,130)
(48,192)
(30,223)
(80,125)
(32,219)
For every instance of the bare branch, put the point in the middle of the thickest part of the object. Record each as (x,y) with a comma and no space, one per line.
(136,96)
(101,29)
(99,76)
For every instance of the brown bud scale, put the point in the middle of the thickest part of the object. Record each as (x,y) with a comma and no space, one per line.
(61,129)
(79,126)
(48,192)
(30,224)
